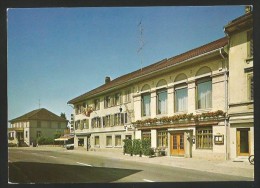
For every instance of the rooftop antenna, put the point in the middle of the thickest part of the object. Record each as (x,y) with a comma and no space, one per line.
(141,42)
(39,103)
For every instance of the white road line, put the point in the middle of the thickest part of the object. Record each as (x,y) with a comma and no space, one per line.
(148,180)
(84,164)
(52,156)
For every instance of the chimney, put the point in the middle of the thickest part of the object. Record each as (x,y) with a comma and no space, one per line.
(107,79)
(248,8)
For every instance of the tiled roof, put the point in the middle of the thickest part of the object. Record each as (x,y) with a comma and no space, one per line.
(39,114)
(154,67)
(240,22)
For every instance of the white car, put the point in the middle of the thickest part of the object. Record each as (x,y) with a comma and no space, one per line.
(69,146)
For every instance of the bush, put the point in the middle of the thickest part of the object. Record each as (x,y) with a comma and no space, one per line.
(128,146)
(137,149)
(146,147)
(45,140)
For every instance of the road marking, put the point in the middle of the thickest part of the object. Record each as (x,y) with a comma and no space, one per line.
(148,180)
(84,164)
(52,156)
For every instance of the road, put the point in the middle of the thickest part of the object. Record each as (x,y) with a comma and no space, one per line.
(35,166)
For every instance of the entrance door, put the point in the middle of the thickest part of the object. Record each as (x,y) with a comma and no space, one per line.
(177,144)
(242,142)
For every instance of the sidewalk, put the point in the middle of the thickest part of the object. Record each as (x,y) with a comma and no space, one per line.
(230,167)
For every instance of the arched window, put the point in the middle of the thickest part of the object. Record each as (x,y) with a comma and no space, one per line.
(181,94)
(146,101)
(204,89)
(161,97)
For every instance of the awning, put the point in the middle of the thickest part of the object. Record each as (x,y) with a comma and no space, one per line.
(64,138)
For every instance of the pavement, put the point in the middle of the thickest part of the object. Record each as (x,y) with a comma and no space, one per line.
(235,167)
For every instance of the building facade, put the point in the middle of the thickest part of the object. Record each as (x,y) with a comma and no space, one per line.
(25,129)
(187,105)
(241,86)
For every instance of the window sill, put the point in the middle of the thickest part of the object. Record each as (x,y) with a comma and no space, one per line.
(118,146)
(249,59)
(203,110)
(97,146)
(109,146)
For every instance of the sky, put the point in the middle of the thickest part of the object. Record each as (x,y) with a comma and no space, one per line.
(57,54)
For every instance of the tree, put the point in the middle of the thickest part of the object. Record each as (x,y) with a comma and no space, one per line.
(63,115)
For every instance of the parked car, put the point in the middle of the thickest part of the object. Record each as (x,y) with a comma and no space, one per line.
(69,146)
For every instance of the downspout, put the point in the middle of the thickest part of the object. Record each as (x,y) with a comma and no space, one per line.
(226,100)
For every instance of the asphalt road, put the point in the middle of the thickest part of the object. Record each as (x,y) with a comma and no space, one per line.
(35,166)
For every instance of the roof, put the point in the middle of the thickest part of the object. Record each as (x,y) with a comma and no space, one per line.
(165,63)
(39,114)
(239,23)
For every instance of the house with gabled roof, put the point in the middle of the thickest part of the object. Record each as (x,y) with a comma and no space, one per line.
(27,128)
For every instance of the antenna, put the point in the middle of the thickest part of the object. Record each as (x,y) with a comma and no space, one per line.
(39,103)
(141,42)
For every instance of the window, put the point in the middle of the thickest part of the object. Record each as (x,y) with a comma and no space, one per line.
(128,95)
(146,135)
(118,140)
(26,134)
(77,124)
(96,122)
(204,93)
(96,140)
(162,101)
(250,87)
(119,119)
(162,139)
(38,134)
(86,124)
(108,102)
(118,100)
(181,99)
(250,43)
(109,141)
(96,104)
(146,103)
(39,124)
(204,138)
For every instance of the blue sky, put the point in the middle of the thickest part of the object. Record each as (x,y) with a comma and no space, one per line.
(57,54)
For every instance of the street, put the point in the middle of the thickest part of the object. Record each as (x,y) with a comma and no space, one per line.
(63,166)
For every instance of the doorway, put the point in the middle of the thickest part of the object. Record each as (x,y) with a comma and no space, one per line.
(177,144)
(243,142)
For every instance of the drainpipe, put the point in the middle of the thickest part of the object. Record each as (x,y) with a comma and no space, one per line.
(226,100)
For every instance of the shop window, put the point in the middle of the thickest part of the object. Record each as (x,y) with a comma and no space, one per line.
(162,139)
(146,135)
(204,139)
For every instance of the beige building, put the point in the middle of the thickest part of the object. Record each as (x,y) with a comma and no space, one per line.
(27,128)
(188,105)
(241,85)
(103,117)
